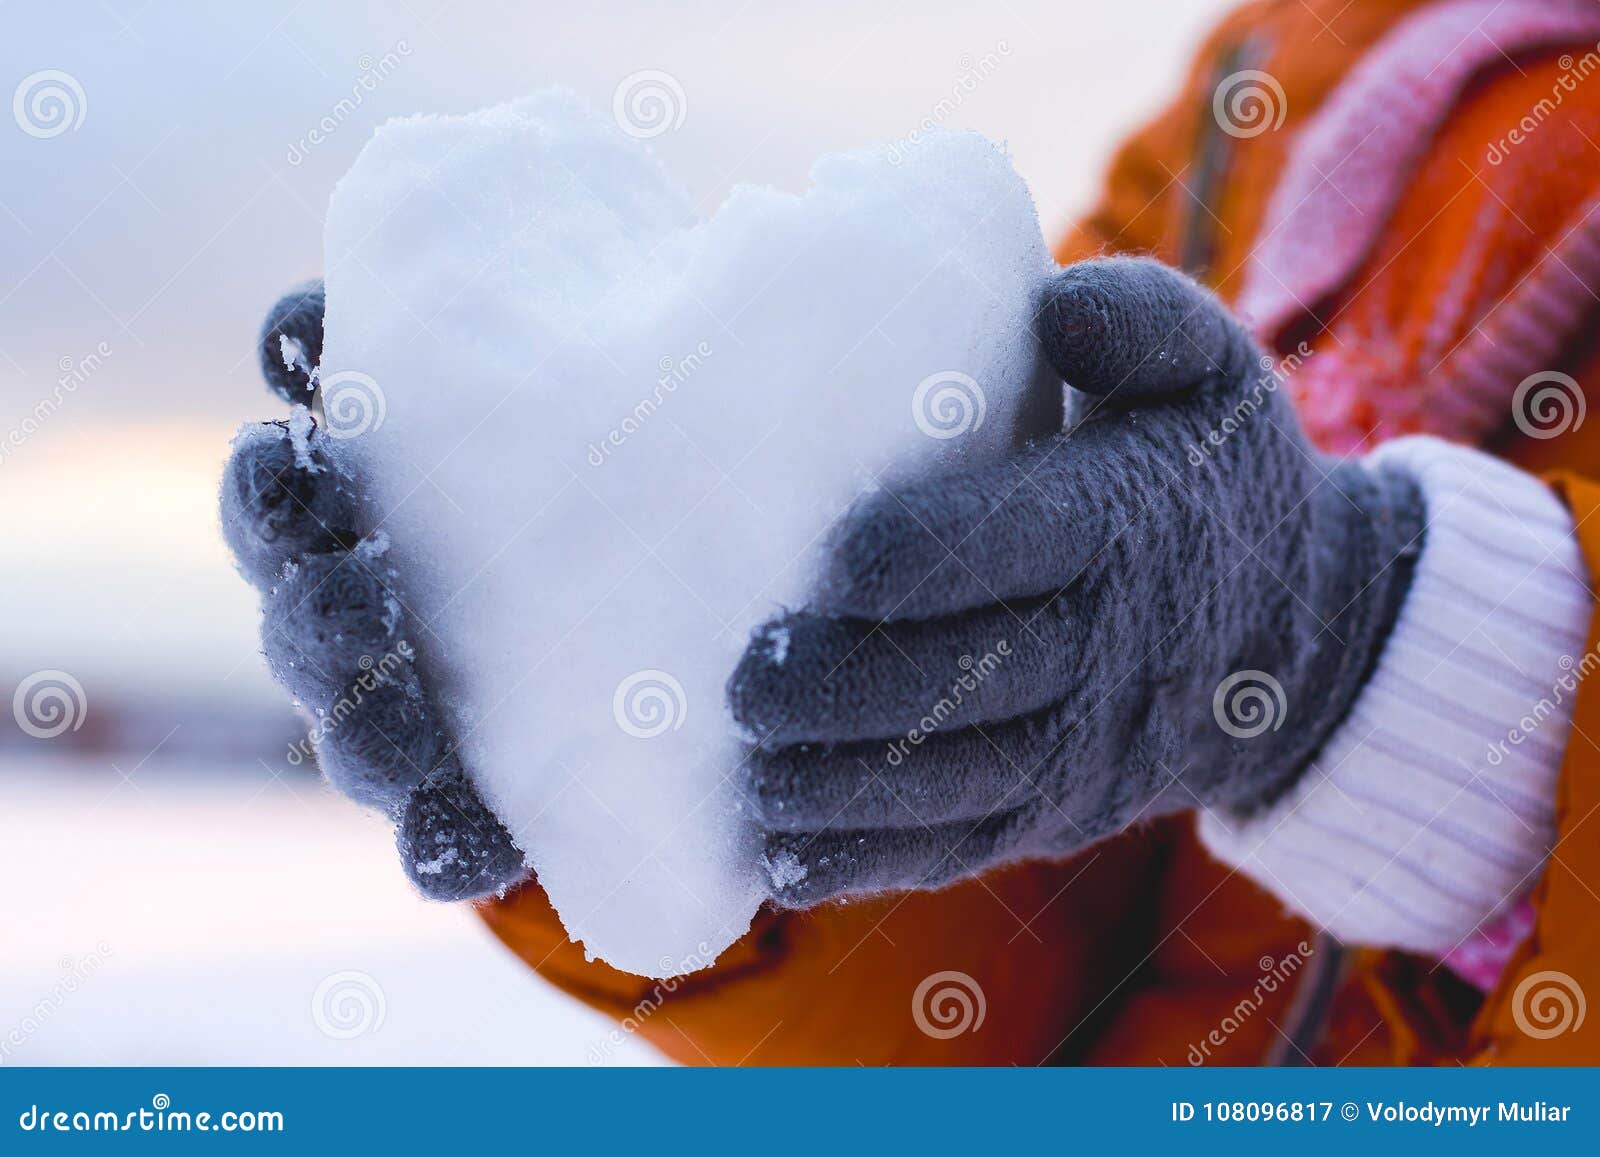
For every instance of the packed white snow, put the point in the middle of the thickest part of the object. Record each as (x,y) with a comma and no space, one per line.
(604,435)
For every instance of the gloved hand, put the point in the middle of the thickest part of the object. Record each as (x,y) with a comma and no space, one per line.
(338,638)
(1170,605)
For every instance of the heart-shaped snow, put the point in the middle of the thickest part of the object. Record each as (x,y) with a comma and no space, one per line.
(602,437)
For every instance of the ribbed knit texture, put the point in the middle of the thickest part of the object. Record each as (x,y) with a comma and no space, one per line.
(1432,807)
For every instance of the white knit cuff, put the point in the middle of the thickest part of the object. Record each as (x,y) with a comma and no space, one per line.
(1432,806)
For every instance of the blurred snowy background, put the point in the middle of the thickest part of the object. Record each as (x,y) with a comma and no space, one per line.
(173,890)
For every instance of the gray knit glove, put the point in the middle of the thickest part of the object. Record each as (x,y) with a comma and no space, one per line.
(1066,637)
(339,640)
(1170,605)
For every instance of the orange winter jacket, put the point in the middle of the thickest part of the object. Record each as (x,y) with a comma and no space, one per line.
(1142,949)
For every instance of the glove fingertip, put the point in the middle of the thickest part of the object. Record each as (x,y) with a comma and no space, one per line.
(281,499)
(290,345)
(452,845)
(1134,328)
(780,686)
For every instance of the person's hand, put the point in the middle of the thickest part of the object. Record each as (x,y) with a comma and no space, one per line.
(337,637)
(1170,605)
